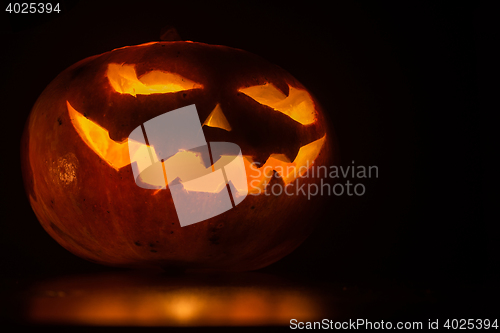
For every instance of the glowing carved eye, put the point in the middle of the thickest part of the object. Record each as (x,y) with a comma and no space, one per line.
(298,105)
(123,79)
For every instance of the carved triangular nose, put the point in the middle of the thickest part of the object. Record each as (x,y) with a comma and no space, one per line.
(217,119)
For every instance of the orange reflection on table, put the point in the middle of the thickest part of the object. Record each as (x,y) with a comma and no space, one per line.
(135,300)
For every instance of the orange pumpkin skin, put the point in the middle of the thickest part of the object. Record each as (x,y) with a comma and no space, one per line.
(100,214)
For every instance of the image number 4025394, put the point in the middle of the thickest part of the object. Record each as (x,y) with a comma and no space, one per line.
(32,8)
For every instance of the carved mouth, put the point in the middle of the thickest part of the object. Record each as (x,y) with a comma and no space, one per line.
(116,155)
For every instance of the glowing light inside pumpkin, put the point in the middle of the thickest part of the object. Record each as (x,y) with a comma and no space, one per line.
(298,105)
(217,119)
(188,165)
(97,138)
(259,177)
(185,165)
(123,79)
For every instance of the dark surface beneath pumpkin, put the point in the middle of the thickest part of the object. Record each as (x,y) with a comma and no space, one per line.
(399,88)
(135,299)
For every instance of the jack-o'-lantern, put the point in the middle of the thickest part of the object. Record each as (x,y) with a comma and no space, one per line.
(78,172)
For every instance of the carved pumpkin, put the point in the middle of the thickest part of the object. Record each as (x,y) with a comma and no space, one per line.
(78,173)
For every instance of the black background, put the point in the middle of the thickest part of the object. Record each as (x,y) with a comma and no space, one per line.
(399,83)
